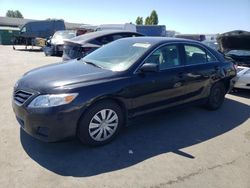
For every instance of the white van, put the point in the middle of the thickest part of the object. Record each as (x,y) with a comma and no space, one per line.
(126,26)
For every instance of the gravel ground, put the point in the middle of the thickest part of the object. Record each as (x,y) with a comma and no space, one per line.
(188,147)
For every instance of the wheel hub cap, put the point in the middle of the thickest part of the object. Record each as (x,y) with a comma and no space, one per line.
(103,125)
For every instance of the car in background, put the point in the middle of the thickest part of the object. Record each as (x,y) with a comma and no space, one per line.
(54,45)
(236,45)
(92,97)
(80,46)
(211,43)
(242,80)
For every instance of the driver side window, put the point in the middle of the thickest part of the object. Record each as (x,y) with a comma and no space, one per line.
(166,57)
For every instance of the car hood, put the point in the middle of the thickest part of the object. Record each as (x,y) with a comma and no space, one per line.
(63,75)
(234,40)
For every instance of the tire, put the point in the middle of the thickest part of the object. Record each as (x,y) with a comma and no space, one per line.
(216,96)
(101,123)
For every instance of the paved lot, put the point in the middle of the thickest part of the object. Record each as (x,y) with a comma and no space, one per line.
(188,147)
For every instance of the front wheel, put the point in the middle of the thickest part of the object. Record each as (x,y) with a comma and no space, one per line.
(100,123)
(216,96)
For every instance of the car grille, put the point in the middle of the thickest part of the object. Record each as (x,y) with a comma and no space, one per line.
(21,97)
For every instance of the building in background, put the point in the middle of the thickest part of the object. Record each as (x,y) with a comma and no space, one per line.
(6,34)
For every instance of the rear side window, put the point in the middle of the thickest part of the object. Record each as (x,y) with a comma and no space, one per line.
(196,55)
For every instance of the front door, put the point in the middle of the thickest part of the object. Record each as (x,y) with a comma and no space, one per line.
(156,90)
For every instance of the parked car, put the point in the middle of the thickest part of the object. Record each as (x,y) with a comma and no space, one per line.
(211,43)
(54,45)
(79,47)
(242,80)
(93,97)
(235,44)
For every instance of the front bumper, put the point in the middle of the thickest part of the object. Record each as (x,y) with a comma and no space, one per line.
(48,124)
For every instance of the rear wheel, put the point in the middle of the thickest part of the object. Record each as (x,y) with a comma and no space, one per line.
(216,97)
(100,123)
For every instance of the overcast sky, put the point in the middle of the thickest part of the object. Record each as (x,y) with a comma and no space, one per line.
(185,16)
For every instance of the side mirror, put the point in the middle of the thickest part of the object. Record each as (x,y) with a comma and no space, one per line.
(149,67)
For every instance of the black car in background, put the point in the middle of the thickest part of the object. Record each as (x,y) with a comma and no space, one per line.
(236,45)
(82,45)
(93,97)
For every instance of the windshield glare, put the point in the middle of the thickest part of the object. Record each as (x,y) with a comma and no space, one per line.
(118,55)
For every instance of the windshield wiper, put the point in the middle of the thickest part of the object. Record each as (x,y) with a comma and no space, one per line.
(91,63)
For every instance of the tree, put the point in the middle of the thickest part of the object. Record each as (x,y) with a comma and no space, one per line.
(139,20)
(147,21)
(14,14)
(18,14)
(154,18)
(150,20)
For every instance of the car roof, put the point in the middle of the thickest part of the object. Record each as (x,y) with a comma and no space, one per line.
(157,40)
(93,35)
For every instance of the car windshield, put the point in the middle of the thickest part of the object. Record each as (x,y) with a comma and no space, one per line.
(64,35)
(239,53)
(118,55)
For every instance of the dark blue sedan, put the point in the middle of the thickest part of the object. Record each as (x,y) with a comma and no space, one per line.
(93,97)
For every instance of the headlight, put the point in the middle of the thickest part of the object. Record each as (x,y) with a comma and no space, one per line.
(43,101)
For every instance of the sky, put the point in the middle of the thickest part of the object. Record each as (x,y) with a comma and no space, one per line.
(185,16)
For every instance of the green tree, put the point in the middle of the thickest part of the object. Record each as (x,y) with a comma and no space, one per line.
(154,18)
(139,20)
(150,20)
(147,21)
(14,14)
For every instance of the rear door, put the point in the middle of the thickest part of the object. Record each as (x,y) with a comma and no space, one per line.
(201,67)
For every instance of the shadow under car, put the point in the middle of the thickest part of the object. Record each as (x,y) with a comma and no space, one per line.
(148,136)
